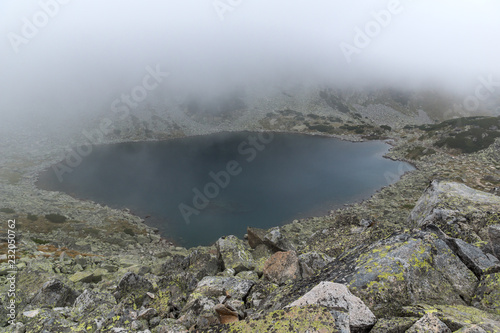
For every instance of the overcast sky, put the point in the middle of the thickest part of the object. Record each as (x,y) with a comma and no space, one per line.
(68,56)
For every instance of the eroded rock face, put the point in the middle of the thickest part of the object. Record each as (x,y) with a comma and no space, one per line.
(282,267)
(234,254)
(337,296)
(54,293)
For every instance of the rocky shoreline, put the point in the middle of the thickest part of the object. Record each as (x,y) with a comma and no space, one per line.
(420,253)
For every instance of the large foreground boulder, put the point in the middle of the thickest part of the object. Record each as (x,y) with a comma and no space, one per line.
(460,211)
(335,296)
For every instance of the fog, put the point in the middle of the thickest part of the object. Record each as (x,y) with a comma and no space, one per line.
(69,60)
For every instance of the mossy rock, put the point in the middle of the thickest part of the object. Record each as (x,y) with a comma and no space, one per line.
(458,316)
(393,325)
(488,293)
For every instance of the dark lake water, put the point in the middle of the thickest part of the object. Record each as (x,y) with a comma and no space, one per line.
(197,189)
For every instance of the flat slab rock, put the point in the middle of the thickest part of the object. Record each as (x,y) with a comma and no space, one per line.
(337,296)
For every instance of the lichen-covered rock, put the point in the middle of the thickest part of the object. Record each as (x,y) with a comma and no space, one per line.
(133,287)
(494,240)
(393,325)
(48,320)
(216,286)
(471,329)
(259,292)
(310,319)
(233,253)
(460,211)
(336,296)
(400,270)
(169,326)
(277,241)
(472,256)
(429,323)
(457,317)
(92,303)
(488,293)
(54,293)
(315,260)
(282,267)
(199,309)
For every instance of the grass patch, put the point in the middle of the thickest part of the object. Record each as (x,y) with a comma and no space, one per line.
(408,206)
(470,141)
(56,218)
(129,231)
(40,241)
(418,152)
(322,128)
(7,210)
(32,217)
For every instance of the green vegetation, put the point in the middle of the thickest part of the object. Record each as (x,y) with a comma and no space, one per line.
(7,210)
(322,128)
(129,231)
(386,127)
(469,141)
(39,241)
(32,217)
(56,218)
(418,152)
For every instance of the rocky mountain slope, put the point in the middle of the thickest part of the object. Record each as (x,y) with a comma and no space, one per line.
(421,254)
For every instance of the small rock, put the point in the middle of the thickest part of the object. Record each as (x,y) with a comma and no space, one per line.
(429,323)
(225,314)
(147,314)
(282,267)
(32,313)
(85,276)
